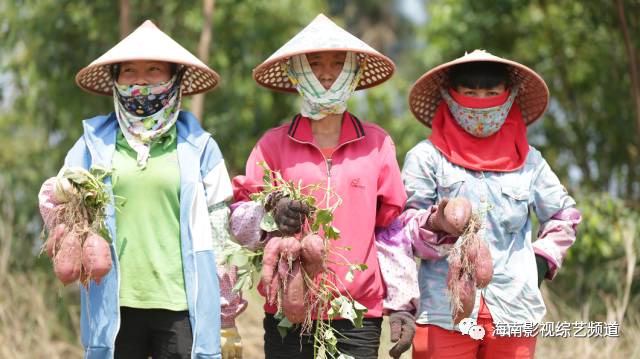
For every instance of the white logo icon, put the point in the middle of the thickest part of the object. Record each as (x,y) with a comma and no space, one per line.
(468,326)
(465,324)
(476,332)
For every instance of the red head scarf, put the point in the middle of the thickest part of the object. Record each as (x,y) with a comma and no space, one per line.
(504,151)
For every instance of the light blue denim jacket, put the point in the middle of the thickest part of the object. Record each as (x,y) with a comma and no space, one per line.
(203,182)
(505,200)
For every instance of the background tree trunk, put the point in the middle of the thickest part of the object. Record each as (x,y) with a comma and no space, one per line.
(197,104)
(125,18)
(633,60)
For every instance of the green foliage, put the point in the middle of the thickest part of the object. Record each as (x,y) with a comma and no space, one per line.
(596,265)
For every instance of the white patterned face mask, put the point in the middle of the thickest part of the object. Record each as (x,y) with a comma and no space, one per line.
(480,122)
(318,102)
(159,105)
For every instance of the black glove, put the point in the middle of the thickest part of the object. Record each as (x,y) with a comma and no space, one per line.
(290,215)
(403,328)
(543,268)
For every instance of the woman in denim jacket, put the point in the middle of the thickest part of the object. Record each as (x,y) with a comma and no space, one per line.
(478,107)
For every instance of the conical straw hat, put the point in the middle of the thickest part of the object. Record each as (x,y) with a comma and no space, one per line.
(533,96)
(322,34)
(148,43)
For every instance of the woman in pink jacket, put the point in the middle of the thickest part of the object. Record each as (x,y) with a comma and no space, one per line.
(325,144)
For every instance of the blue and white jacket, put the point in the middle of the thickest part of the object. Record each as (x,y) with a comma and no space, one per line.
(204,182)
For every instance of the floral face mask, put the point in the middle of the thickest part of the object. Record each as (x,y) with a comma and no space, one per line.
(480,122)
(146,112)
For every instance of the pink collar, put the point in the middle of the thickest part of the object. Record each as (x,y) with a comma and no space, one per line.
(300,129)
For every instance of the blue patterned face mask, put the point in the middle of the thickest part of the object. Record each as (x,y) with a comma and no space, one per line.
(479,122)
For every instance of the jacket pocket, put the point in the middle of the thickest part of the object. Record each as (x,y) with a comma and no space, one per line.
(515,208)
(449,186)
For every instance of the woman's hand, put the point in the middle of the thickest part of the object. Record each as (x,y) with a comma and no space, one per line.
(452,216)
(290,215)
(402,329)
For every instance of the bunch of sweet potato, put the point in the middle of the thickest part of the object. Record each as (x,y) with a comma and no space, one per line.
(285,262)
(77,203)
(78,254)
(470,262)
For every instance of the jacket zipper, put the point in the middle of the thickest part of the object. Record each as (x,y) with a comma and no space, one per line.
(327,161)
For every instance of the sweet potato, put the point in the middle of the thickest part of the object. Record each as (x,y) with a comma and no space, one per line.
(52,244)
(66,263)
(457,213)
(483,264)
(294,293)
(467,295)
(270,260)
(272,289)
(96,256)
(312,254)
(283,267)
(290,248)
(455,271)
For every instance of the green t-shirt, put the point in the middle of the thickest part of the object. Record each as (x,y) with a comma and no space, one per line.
(148,226)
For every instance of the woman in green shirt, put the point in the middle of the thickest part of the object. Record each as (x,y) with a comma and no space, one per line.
(161,297)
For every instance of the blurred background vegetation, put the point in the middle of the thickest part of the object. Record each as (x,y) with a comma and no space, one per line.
(587,51)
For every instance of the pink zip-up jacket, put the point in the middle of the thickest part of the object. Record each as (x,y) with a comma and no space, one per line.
(362,170)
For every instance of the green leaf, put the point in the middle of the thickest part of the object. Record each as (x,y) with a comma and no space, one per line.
(347,311)
(359,307)
(239,259)
(284,326)
(99,172)
(331,313)
(266,178)
(349,276)
(268,223)
(361,267)
(331,232)
(310,200)
(330,338)
(336,304)
(360,311)
(324,216)
(240,284)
